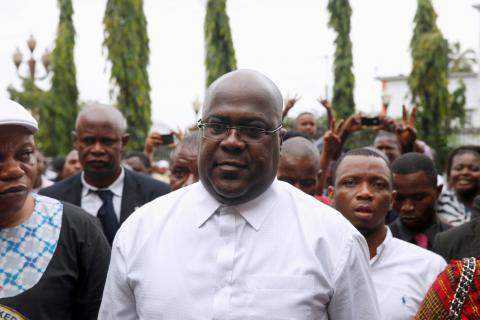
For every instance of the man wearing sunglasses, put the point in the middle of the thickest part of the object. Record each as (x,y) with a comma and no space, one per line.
(239,244)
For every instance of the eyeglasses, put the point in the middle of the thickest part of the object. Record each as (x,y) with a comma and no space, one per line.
(220,131)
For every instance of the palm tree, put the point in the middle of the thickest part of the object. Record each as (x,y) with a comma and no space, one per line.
(460,60)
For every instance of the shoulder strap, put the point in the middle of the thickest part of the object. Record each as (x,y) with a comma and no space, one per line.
(463,287)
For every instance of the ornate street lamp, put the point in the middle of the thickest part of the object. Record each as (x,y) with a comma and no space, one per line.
(18,60)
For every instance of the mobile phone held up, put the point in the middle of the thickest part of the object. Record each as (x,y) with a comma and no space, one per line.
(167,139)
(370,121)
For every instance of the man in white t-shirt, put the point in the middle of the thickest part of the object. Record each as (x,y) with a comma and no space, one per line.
(239,244)
(402,272)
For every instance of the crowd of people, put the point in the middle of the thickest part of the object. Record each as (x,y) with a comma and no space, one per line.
(245,220)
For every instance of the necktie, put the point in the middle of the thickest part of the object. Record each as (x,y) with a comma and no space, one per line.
(106,214)
(422,240)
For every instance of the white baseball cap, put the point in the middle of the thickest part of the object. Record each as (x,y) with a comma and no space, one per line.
(12,113)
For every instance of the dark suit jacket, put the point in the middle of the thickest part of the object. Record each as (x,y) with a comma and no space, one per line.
(138,189)
(400,231)
(462,241)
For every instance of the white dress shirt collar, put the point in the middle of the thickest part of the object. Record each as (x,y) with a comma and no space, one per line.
(116,187)
(254,211)
(382,246)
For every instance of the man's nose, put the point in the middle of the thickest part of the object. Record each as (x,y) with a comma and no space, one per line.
(364,191)
(97,147)
(406,206)
(11,170)
(233,139)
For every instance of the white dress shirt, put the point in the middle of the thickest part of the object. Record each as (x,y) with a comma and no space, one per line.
(283,255)
(402,274)
(91,202)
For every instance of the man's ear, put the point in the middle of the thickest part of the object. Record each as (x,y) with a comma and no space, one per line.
(125,140)
(75,140)
(394,196)
(331,195)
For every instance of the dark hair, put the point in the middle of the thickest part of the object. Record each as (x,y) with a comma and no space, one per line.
(363,152)
(414,162)
(472,149)
(141,156)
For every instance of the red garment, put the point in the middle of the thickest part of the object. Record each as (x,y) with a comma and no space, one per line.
(323,199)
(436,304)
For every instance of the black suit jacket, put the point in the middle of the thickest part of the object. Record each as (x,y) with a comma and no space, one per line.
(400,231)
(138,189)
(462,241)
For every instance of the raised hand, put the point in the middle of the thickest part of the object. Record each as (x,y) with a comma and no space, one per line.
(406,132)
(289,104)
(328,107)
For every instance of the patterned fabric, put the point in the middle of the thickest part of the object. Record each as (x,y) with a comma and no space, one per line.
(436,304)
(451,211)
(26,250)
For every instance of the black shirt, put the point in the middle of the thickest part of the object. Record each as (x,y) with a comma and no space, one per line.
(72,285)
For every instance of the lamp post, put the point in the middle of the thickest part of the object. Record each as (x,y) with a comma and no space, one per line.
(32,63)
(196,104)
(386,97)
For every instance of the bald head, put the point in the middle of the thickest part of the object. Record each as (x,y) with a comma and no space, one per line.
(301,148)
(299,164)
(235,84)
(102,112)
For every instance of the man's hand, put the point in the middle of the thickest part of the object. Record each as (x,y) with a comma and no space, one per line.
(289,104)
(154,139)
(406,132)
(332,143)
(328,108)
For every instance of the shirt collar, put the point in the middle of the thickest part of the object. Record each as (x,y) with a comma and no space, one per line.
(116,187)
(382,246)
(254,211)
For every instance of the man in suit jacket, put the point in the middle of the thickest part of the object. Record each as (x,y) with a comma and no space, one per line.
(105,189)
(415,180)
(462,241)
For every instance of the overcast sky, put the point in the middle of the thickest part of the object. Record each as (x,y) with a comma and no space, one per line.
(288,40)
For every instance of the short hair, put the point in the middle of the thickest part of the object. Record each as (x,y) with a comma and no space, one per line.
(472,149)
(414,162)
(141,156)
(189,142)
(363,152)
(302,148)
(94,107)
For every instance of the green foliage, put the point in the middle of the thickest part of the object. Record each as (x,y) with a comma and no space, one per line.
(460,60)
(457,103)
(57,121)
(428,80)
(219,51)
(55,109)
(342,102)
(127,41)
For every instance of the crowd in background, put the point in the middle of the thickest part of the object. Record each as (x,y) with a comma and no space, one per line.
(415,216)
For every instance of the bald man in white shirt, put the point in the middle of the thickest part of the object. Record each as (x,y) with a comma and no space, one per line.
(239,244)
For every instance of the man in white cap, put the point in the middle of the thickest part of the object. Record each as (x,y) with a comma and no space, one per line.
(54,256)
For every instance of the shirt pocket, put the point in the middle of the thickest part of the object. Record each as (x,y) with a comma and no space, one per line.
(279,297)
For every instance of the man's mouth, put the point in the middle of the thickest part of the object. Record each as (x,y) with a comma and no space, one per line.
(363,211)
(231,165)
(13,190)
